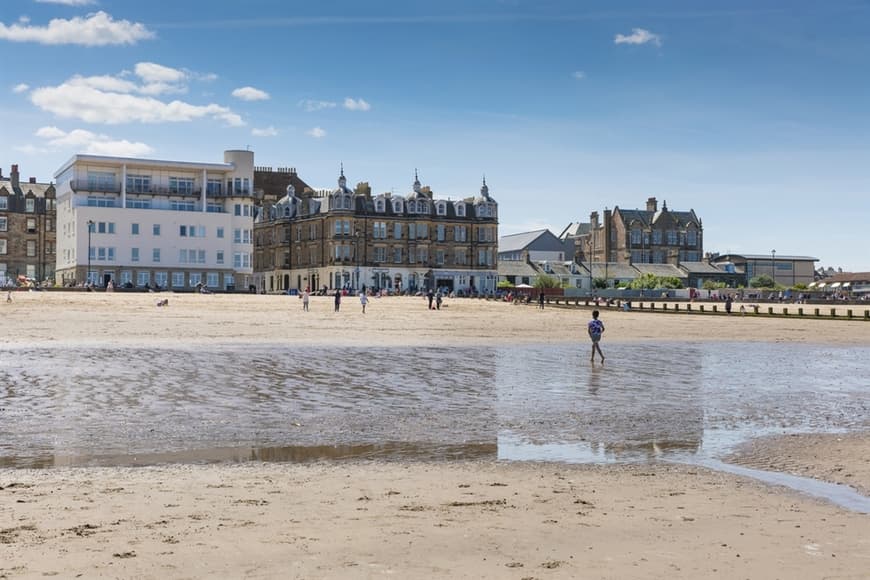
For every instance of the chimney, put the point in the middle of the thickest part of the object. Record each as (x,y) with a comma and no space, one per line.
(652,205)
(32,180)
(593,219)
(14,176)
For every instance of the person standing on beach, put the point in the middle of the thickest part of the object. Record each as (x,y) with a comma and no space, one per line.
(305,297)
(363,299)
(595,328)
(337,299)
(430,295)
(541,300)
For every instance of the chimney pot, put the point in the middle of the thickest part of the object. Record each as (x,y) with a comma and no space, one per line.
(32,180)
(652,205)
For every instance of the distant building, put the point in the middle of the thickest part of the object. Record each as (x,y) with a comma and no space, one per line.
(854,283)
(344,238)
(538,245)
(784,270)
(27,228)
(647,236)
(144,222)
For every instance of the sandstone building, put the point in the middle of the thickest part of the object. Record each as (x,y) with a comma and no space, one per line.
(27,228)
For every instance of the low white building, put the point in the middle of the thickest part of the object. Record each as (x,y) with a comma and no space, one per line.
(143,222)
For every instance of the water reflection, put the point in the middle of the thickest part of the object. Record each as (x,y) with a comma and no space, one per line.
(152,405)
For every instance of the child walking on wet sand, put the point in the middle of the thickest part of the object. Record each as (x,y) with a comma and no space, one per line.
(595,328)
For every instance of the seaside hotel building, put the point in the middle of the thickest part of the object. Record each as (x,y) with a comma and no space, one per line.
(147,223)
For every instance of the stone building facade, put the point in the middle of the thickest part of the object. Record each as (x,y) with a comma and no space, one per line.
(27,228)
(644,236)
(346,238)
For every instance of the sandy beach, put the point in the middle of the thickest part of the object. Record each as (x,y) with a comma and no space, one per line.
(422,519)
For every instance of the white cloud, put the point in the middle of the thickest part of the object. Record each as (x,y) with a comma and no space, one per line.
(20,88)
(68,2)
(269,131)
(112,99)
(356,105)
(579,75)
(97,29)
(31,149)
(250,94)
(311,105)
(92,143)
(317,133)
(151,72)
(638,36)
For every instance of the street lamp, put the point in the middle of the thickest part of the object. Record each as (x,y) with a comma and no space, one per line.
(90,230)
(773,266)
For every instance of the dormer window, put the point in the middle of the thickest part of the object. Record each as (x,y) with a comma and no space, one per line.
(397,206)
(422,207)
(412,207)
(460,209)
(379,206)
(347,202)
(441,208)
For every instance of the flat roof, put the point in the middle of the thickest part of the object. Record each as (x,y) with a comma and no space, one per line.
(139,162)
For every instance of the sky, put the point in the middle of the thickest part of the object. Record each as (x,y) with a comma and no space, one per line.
(754,113)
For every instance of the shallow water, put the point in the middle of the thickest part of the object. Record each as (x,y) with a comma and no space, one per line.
(676,402)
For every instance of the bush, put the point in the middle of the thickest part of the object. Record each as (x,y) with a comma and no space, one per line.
(761,281)
(544,281)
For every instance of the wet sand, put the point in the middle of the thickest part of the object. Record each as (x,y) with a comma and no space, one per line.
(480,519)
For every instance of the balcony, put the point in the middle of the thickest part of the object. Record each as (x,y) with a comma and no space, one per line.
(84,185)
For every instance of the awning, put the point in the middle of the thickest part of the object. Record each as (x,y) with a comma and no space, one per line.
(835,285)
(811,285)
(846,284)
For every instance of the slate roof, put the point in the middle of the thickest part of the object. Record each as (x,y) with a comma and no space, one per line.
(648,217)
(516,268)
(660,270)
(521,241)
(761,257)
(701,268)
(612,270)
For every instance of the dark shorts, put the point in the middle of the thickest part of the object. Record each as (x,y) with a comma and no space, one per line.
(595,337)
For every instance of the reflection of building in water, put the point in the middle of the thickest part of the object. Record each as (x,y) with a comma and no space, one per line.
(642,409)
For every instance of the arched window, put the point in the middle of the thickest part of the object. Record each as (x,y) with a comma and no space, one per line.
(397,206)
(379,206)
(460,209)
(441,208)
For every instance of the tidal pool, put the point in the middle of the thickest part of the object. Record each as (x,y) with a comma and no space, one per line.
(674,401)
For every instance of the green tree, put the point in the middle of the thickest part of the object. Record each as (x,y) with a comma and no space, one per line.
(545,281)
(761,281)
(599,283)
(711,285)
(505,285)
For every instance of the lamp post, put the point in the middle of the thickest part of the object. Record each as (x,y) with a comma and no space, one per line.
(356,236)
(773,266)
(90,230)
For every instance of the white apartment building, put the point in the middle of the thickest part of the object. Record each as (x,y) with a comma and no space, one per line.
(143,222)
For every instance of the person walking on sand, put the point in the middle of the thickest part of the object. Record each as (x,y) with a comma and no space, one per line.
(305,298)
(363,299)
(595,328)
(337,299)
(541,300)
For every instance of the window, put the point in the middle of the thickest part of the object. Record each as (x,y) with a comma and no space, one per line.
(397,206)
(440,229)
(379,206)
(459,233)
(380,230)
(237,236)
(138,183)
(380,254)
(110,254)
(3,247)
(31,248)
(460,209)
(657,237)
(460,257)
(672,237)
(182,256)
(31,225)
(101,227)
(126,276)
(155,255)
(143,278)
(439,257)
(176,205)
(220,257)
(49,225)
(101,254)
(213,187)
(139,203)
(181,185)
(156,229)
(30,205)
(94,201)
(101,181)
(134,254)
(4,224)
(237,209)
(134,229)
(692,237)
(200,256)
(422,231)
(220,233)
(397,255)
(635,236)
(182,231)
(211,279)
(160,279)
(441,208)
(237,260)
(178,279)
(397,231)
(4,202)
(423,255)
(229,281)
(412,231)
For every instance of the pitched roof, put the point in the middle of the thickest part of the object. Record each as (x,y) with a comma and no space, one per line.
(700,268)
(521,241)
(660,270)
(516,268)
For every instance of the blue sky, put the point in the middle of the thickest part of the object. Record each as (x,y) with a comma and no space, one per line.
(753,113)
